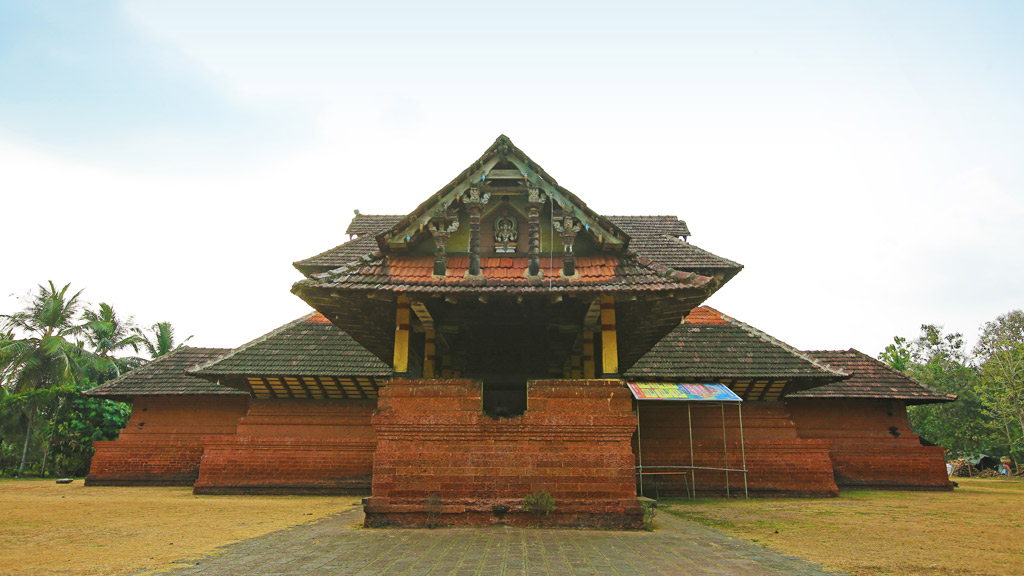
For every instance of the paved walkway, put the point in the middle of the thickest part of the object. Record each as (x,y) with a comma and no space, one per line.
(335,545)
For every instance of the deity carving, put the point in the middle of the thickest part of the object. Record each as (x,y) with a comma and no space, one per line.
(506,232)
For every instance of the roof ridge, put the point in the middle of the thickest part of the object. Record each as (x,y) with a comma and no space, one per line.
(153,364)
(302,262)
(792,350)
(197,369)
(901,373)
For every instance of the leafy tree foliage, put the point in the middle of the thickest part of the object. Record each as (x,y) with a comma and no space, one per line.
(159,339)
(1000,354)
(987,417)
(50,352)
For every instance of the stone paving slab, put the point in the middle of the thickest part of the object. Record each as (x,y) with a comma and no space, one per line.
(337,545)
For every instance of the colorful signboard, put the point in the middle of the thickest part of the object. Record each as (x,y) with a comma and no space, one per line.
(687,392)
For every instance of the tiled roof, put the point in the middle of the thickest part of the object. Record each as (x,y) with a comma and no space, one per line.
(648,225)
(166,376)
(414,268)
(656,238)
(712,346)
(869,378)
(414,274)
(653,239)
(309,346)
(372,224)
(342,255)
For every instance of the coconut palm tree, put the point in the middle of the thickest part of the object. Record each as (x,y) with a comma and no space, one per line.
(160,339)
(107,334)
(47,354)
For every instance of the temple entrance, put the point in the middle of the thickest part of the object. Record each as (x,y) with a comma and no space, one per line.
(504,357)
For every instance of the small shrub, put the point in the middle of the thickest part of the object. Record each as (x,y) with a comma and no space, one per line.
(650,511)
(539,503)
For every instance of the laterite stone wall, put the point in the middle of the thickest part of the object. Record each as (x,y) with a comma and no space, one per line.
(294,447)
(441,461)
(872,443)
(163,442)
(779,462)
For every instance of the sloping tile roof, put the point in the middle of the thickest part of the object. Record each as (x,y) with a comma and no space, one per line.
(712,346)
(342,255)
(413,274)
(416,268)
(166,376)
(656,238)
(653,239)
(870,379)
(309,346)
(651,225)
(372,224)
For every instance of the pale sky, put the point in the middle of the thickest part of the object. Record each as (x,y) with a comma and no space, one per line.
(862,160)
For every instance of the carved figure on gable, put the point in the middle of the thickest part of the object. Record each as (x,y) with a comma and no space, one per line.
(506,232)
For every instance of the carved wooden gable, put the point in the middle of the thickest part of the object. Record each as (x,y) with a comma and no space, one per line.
(503,205)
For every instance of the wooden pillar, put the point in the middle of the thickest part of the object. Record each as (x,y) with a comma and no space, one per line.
(576,362)
(401,363)
(533,206)
(475,202)
(441,229)
(609,344)
(588,354)
(428,356)
(567,226)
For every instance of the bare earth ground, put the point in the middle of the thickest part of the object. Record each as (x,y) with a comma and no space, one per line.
(50,529)
(978,529)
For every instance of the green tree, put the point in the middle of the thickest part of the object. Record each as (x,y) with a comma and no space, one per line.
(160,339)
(1000,353)
(47,356)
(939,360)
(108,336)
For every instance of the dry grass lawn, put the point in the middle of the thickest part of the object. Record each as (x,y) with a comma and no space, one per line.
(977,529)
(48,529)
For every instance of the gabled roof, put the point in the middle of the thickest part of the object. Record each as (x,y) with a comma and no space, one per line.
(500,152)
(372,224)
(165,376)
(653,239)
(869,378)
(308,346)
(711,346)
(359,249)
(415,274)
(657,239)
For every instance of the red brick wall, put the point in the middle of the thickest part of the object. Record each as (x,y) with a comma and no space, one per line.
(163,441)
(293,447)
(778,461)
(864,451)
(441,460)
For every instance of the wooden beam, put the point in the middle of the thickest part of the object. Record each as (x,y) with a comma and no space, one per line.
(609,342)
(402,318)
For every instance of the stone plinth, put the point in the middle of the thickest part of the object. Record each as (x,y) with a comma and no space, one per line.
(293,447)
(163,442)
(441,461)
(779,461)
(872,443)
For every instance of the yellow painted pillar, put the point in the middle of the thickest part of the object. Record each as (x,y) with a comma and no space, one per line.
(428,356)
(588,354)
(609,345)
(401,364)
(576,363)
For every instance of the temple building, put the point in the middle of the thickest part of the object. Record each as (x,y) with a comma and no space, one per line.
(489,345)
